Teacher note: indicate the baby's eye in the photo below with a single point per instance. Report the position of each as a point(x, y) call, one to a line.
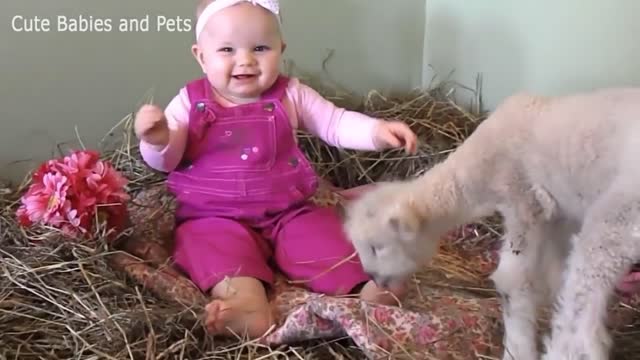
point(261, 48)
point(225, 49)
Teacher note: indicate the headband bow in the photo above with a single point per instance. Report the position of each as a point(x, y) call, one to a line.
point(215, 6)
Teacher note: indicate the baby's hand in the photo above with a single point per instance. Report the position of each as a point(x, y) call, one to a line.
point(393, 134)
point(150, 125)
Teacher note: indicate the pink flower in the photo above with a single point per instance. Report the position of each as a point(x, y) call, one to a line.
point(69, 193)
point(44, 201)
point(469, 320)
point(382, 315)
point(345, 322)
point(426, 334)
point(383, 342)
point(324, 324)
point(302, 318)
point(399, 336)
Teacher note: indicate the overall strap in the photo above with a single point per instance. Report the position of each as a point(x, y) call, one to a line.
point(277, 90)
point(198, 89)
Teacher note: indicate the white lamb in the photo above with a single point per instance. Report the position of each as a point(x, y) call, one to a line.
point(563, 172)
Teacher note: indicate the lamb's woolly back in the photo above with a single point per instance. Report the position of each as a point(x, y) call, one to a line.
point(576, 145)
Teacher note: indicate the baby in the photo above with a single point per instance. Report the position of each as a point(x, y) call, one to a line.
point(242, 185)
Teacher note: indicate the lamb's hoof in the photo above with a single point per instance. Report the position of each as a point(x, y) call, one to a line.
point(577, 347)
point(523, 351)
point(511, 356)
point(564, 356)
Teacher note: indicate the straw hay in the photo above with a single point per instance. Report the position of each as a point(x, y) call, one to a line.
point(62, 300)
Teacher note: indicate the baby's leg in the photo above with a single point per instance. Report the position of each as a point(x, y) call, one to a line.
point(228, 260)
point(312, 249)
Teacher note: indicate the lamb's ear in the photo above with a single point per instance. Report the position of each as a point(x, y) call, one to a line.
point(406, 220)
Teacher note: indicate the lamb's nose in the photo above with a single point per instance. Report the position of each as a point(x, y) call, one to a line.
point(372, 275)
point(381, 281)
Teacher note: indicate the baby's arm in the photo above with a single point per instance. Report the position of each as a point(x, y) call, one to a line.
point(336, 126)
point(166, 158)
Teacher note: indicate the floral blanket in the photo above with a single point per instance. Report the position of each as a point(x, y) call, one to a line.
point(434, 322)
point(444, 317)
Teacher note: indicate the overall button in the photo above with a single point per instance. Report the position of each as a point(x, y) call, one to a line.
point(269, 107)
point(293, 161)
point(200, 106)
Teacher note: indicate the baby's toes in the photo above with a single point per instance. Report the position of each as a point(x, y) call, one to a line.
point(216, 313)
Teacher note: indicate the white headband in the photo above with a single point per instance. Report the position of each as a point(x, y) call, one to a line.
point(215, 6)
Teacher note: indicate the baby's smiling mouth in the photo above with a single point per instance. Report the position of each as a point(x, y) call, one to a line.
point(243, 76)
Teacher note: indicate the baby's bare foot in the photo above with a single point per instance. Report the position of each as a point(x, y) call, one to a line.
point(393, 296)
point(223, 319)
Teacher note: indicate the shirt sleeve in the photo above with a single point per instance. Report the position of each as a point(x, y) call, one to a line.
point(166, 158)
point(334, 125)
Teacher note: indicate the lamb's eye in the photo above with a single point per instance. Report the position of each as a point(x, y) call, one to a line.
point(374, 249)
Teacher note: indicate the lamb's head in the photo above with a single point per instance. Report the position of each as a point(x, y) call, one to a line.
point(391, 232)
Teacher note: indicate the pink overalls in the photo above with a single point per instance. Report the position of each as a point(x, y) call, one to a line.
point(243, 191)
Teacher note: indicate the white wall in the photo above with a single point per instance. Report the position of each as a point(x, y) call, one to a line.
point(53, 82)
point(545, 46)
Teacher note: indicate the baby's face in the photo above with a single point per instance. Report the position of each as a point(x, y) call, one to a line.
point(240, 50)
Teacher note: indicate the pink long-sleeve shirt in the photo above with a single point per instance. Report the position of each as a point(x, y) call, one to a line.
point(306, 108)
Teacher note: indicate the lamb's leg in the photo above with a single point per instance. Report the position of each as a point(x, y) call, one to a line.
point(524, 258)
point(522, 284)
point(553, 258)
point(604, 250)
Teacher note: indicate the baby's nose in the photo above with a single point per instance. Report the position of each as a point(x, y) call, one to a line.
point(246, 62)
point(246, 59)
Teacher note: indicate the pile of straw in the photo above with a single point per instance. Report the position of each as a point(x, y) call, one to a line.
point(439, 121)
point(62, 300)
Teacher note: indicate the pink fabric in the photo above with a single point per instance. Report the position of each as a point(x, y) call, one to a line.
point(307, 245)
point(243, 191)
point(240, 162)
point(312, 248)
point(630, 283)
point(306, 108)
point(235, 251)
